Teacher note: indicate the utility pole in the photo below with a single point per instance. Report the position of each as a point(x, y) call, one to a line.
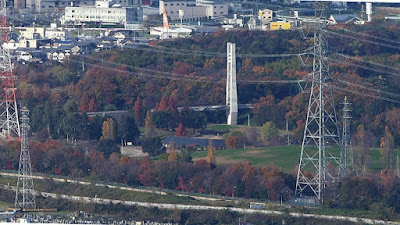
point(287, 132)
point(83, 63)
point(24, 195)
point(321, 129)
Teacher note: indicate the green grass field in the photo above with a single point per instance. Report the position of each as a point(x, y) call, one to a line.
point(221, 127)
point(285, 157)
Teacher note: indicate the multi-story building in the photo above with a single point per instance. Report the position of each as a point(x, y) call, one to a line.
point(102, 12)
point(265, 15)
point(43, 6)
point(19, 4)
point(52, 32)
point(194, 10)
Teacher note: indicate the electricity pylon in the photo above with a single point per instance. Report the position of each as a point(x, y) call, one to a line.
point(317, 164)
point(9, 123)
point(24, 195)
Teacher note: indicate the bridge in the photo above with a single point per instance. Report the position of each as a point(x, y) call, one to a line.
point(216, 107)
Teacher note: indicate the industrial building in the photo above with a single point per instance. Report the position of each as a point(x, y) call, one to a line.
point(194, 9)
point(102, 12)
point(43, 6)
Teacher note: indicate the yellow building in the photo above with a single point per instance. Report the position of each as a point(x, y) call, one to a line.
point(280, 25)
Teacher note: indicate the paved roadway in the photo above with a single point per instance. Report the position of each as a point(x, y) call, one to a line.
point(96, 200)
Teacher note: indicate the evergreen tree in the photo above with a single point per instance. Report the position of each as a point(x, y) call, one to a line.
point(128, 129)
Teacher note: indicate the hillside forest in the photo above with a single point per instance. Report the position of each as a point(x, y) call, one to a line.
point(158, 83)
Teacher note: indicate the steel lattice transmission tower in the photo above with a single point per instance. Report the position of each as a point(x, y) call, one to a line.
point(9, 123)
point(347, 157)
point(24, 195)
point(231, 86)
point(317, 165)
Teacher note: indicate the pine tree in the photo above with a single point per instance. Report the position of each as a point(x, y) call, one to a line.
point(211, 153)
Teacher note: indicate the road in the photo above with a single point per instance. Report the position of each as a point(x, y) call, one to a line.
point(86, 199)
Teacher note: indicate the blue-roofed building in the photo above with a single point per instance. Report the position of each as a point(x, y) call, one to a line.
point(199, 143)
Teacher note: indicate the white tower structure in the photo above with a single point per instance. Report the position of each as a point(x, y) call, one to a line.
point(24, 196)
point(231, 88)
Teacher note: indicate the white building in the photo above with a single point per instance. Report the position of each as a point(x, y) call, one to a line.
point(103, 12)
point(194, 10)
point(43, 32)
point(42, 6)
point(32, 33)
point(166, 33)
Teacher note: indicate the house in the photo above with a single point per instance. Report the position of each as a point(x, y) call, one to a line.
point(265, 15)
point(199, 143)
point(345, 19)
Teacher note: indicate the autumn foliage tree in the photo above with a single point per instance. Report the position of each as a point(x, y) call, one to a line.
point(146, 173)
point(232, 142)
point(361, 150)
point(180, 131)
point(137, 108)
point(108, 130)
point(149, 130)
point(174, 155)
point(268, 131)
point(210, 153)
point(387, 151)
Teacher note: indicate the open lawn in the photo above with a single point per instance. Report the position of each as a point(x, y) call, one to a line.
point(285, 157)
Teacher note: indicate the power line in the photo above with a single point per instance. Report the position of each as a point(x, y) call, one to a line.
point(364, 94)
point(370, 62)
point(368, 35)
point(173, 76)
point(358, 38)
point(214, 54)
point(364, 67)
point(368, 88)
